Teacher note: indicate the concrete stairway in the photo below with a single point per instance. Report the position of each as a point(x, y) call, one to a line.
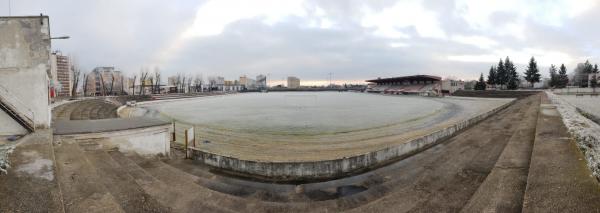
point(504, 187)
point(109, 181)
point(540, 170)
point(85, 110)
point(18, 111)
point(559, 179)
point(528, 165)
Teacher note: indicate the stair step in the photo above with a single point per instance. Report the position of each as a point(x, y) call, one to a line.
point(30, 184)
point(130, 196)
point(81, 185)
point(504, 187)
point(559, 179)
point(179, 194)
point(220, 183)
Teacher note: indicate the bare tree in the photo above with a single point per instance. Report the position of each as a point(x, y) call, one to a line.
point(143, 78)
point(76, 76)
point(212, 82)
point(103, 85)
point(85, 84)
point(157, 79)
point(133, 87)
point(178, 82)
point(198, 83)
point(189, 84)
point(183, 83)
point(112, 83)
point(122, 85)
point(151, 79)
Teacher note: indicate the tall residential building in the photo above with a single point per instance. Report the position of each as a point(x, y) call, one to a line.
point(293, 82)
point(248, 83)
point(261, 82)
point(62, 77)
point(105, 81)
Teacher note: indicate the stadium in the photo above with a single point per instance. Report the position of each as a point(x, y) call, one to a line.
point(307, 136)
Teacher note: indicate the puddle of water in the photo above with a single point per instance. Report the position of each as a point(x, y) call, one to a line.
point(343, 191)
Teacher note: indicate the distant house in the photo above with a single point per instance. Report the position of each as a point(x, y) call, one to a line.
point(450, 86)
point(293, 82)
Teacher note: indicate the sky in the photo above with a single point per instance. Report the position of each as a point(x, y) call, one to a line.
point(349, 40)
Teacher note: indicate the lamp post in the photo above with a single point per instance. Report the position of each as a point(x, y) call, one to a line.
point(60, 37)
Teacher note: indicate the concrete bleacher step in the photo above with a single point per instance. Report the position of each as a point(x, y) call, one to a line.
point(504, 187)
point(559, 179)
point(81, 185)
point(30, 184)
point(229, 185)
point(166, 187)
point(130, 196)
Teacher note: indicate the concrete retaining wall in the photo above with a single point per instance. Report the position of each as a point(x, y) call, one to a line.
point(572, 91)
point(330, 169)
point(25, 64)
point(143, 141)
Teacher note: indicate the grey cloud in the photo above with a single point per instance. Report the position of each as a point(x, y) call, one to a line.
point(130, 34)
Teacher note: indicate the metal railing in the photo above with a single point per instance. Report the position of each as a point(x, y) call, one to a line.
point(17, 106)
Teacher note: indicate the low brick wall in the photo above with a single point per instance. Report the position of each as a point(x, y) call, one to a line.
point(331, 169)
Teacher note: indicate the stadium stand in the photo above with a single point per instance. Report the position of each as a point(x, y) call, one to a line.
point(424, 85)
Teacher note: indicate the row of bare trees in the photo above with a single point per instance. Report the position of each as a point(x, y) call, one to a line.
point(188, 83)
point(144, 82)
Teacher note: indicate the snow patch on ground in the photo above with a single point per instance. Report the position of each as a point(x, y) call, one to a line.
point(36, 166)
point(6, 148)
point(585, 131)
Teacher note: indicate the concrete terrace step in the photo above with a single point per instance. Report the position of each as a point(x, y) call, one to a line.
point(85, 110)
point(504, 187)
point(559, 179)
point(30, 184)
point(176, 193)
point(233, 186)
point(445, 177)
point(130, 196)
point(81, 185)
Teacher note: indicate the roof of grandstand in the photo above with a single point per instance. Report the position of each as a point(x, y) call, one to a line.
point(407, 78)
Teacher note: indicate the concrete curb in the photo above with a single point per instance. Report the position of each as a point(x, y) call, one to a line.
point(331, 169)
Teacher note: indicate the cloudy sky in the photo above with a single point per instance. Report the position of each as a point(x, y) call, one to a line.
point(352, 39)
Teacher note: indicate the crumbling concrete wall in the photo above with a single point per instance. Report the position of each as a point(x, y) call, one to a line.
point(147, 141)
point(25, 63)
point(330, 169)
point(585, 131)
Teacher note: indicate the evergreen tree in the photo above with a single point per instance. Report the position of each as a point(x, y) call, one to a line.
point(512, 77)
point(480, 85)
point(563, 79)
point(587, 67)
point(501, 76)
point(532, 74)
point(594, 83)
point(594, 79)
point(554, 78)
point(492, 76)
